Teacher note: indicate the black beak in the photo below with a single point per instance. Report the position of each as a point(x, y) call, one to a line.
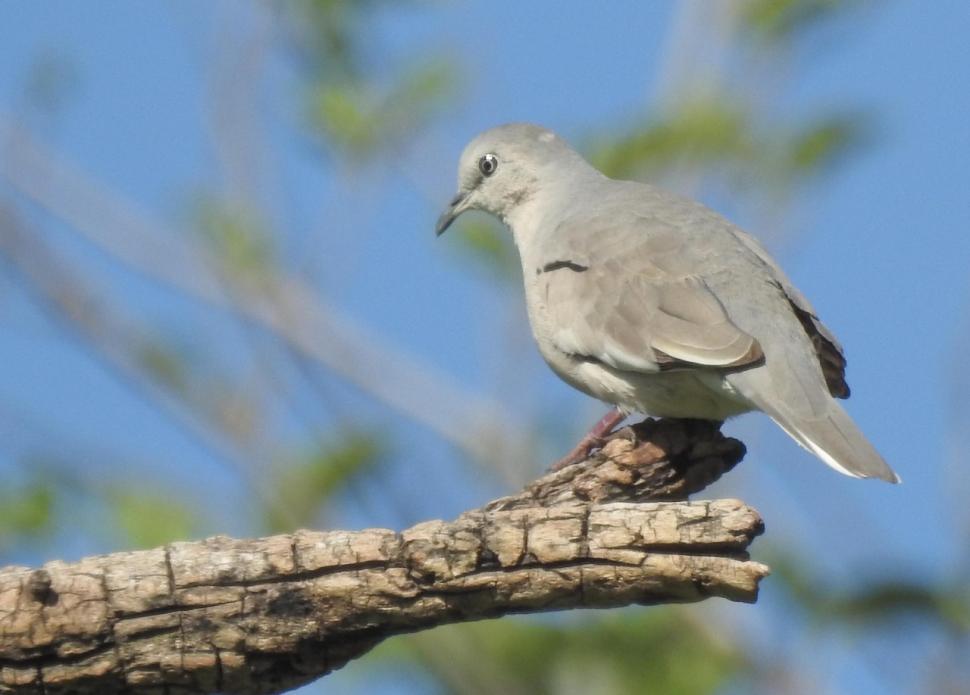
point(455, 208)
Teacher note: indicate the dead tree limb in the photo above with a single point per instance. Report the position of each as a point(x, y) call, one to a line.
point(263, 615)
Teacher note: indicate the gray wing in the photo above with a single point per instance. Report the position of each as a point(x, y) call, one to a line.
point(625, 296)
point(830, 355)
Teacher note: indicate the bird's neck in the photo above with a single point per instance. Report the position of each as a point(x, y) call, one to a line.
point(541, 214)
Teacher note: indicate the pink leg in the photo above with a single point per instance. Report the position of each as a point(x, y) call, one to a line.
point(593, 439)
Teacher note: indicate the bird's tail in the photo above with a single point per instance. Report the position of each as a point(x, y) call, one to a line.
point(836, 440)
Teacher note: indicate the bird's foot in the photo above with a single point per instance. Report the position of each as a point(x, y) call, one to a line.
point(580, 452)
point(594, 439)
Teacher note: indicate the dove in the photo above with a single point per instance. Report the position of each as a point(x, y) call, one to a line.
point(656, 304)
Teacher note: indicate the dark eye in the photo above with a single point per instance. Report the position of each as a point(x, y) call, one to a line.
point(488, 164)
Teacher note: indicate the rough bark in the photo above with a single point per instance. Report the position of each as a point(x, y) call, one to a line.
point(263, 615)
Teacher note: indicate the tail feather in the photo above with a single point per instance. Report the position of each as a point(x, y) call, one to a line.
point(836, 440)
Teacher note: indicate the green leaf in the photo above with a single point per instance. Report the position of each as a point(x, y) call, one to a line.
point(705, 136)
point(345, 114)
point(420, 90)
point(699, 132)
point(659, 650)
point(885, 602)
point(772, 21)
point(303, 487)
point(361, 107)
point(331, 34)
point(823, 143)
point(870, 604)
point(150, 519)
point(27, 511)
point(236, 238)
point(363, 120)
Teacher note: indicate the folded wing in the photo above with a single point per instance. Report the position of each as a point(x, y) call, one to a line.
point(632, 310)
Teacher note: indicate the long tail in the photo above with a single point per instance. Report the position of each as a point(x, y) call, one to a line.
point(836, 440)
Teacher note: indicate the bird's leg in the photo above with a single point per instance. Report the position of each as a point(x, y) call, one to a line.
point(592, 439)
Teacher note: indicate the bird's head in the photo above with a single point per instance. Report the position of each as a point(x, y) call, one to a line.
point(505, 168)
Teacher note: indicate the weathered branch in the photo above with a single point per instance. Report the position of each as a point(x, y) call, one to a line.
point(259, 616)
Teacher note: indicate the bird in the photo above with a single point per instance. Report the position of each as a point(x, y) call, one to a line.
point(656, 304)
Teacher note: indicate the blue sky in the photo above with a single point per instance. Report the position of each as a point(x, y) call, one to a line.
point(882, 247)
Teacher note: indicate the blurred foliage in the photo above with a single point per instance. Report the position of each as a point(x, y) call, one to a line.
point(774, 21)
point(822, 144)
point(362, 109)
point(26, 512)
point(877, 603)
point(242, 246)
point(206, 387)
point(652, 650)
point(301, 488)
point(699, 133)
point(164, 364)
point(873, 604)
point(718, 134)
point(330, 35)
point(365, 120)
point(146, 519)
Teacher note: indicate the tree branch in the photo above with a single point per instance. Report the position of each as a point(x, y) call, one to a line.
point(259, 616)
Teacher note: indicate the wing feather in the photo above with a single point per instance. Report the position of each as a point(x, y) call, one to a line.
point(633, 314)
point(830, 354)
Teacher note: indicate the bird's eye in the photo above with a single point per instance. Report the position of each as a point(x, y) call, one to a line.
point(488, 164)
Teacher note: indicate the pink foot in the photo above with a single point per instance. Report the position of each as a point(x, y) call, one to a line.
point(592, 440)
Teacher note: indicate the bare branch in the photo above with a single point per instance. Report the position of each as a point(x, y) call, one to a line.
point(285, 306)
point(259, 616)
point(112, 337)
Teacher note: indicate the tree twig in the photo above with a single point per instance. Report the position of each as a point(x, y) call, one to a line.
point(286, 306)
point(263, 615)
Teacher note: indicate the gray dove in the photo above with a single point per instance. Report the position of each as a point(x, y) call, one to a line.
point(657, 304)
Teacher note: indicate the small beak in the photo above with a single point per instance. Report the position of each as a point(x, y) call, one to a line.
point(457, 206)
